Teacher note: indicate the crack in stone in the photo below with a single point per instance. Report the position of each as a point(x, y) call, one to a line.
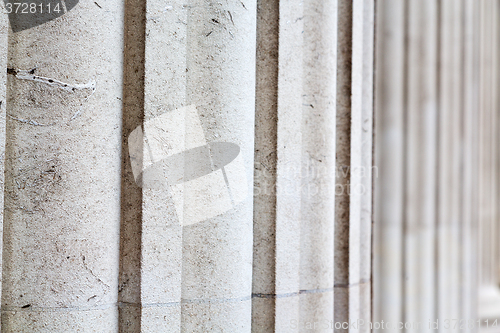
point(29, 121)
point(29, 75)
point(91, 272)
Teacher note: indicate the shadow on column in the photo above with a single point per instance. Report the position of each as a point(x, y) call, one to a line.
point(129, 292)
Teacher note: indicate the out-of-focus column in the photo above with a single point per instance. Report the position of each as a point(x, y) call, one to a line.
point(489, 292)
point(318, 162)
point(389, 145)
point(421, 148)
point(353, 201)
point(469, 193)
point(62, 195)
point(288, 179)
point(449, 166)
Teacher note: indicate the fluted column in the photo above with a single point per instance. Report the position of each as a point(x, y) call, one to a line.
point(449, 183)
point(266, 116)
point(305, 165)
point(62, 201)
point(470, 157)
point(193, 157)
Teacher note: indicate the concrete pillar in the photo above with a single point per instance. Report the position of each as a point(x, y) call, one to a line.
point(62, 194)
point(421, 153)
point(161, 232)
point(389, 145)
point(4, 32)
point(470, 156)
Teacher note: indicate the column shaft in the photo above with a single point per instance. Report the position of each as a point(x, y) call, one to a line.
point(62, 194)
point(389, 145)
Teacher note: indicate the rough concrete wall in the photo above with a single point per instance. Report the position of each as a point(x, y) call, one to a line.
point(62, 194)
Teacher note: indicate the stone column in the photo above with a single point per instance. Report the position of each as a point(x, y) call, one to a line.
point(4, 32)
point(353, 200)
point(489, 292)
point(449, 180)
point(129, 288)
point(469, 195)
point(62, 194)
point(389, 145)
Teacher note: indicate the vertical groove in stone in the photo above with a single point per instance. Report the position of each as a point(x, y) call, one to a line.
point(264, 229)
point(420, 164)
point(129, 287)
point(389, 143)
point(4, 32)
point(343, 161)
point(62, 194)
point(468, 194)
point(354, 162)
